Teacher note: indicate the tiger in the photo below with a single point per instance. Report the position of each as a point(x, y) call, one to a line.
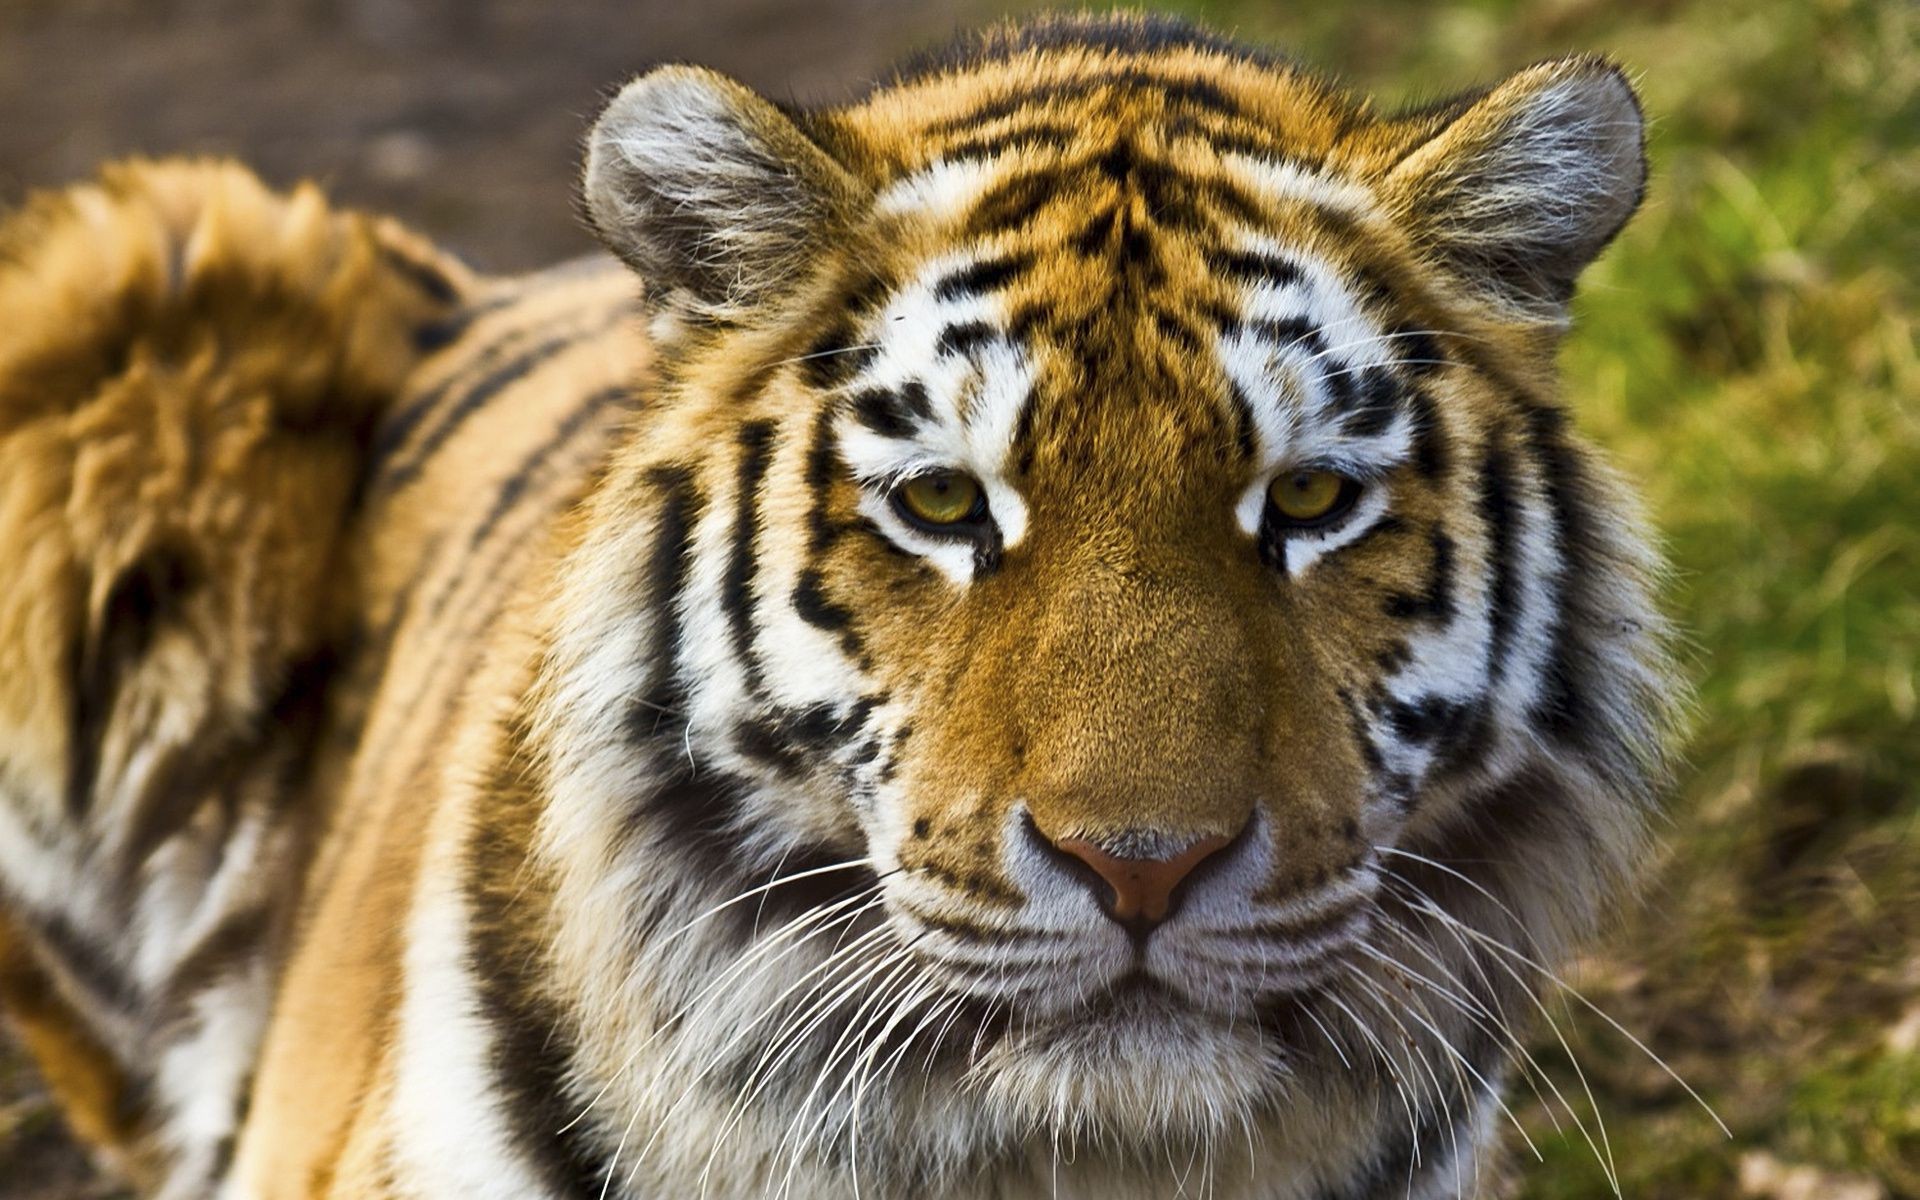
point(1043, 631)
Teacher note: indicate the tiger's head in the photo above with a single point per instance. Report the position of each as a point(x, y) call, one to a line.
point(1102, 535)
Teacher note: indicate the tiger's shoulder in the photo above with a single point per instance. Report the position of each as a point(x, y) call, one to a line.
point(264, 465)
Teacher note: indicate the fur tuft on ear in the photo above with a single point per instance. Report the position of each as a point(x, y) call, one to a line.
point(1523, 187)
point(711, 193)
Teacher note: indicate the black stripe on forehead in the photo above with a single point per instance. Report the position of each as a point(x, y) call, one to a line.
point(837, 353)
point(1174, 91)
point(892, 412)
point(1377, 399)
point(983, 276)
point(1014, 201)
point(964, 338)
point(1040, 135)
point(1254, 267)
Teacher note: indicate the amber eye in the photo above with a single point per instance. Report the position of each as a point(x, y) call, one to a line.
point(941, 500)
point(1308, 498)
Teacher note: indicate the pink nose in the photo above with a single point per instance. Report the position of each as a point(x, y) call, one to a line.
point(1143, 888)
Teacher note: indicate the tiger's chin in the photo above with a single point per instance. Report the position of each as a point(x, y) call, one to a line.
point(1139, 1063)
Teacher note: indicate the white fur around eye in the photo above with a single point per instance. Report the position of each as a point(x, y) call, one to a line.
point(1307, 546)
point(975, 399)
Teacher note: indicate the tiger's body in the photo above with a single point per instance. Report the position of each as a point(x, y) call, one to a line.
point(505, 738)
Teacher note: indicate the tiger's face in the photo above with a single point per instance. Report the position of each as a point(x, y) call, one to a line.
point(1111, 492)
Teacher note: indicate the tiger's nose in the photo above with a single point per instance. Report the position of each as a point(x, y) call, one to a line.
point(1145, 886)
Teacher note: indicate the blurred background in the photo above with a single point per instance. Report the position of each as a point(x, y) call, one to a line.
point(1746, 351)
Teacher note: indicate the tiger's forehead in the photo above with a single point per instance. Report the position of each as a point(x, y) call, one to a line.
point(1038, 98)
point(1117, 298)
point(1162, 269)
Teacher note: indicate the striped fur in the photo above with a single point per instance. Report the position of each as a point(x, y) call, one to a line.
point(498, 738)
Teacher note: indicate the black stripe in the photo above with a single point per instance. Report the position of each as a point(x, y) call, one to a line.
point(964, 338)
point(1023, 432)
point(913, 396)
point(793, 739)
point(835, 357)
point(986, 275)
point(664, 578)
point(399, 425)
point(86, 962)
point(1377, 401)
point(1561, 711)
point(736, 585)
point(1289, 333)
point(1173, 329)
point(982, 146)
point(1246, 266)
point(1424, 719)
point(1496, 504)
point(1014, 202)
point(810, 600)
point(884, 411)
point(1362, 736)
point(213, 770)
point(820, 469)
point(1191, 92)
point(438, 334)
point(515, 485)
point(1343, 396)
point(1223, 318)
point(486, 389)
point(1417, 350)
point(532, 1047)
point(232, 944)
point(426, 276)
point(1243, 423)
point(1436, 603)
point(1429, 438)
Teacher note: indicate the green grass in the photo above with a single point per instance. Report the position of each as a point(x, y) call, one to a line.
point(1747, 354)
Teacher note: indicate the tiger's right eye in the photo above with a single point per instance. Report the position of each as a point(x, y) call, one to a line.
point(941, 501)
point(1304, 499)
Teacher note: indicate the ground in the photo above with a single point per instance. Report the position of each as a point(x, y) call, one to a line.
point(1747, 350)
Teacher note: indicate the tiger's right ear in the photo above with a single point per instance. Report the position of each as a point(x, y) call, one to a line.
point(711, 193)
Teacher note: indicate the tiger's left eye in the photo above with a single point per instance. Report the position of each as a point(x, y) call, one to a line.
point(1309, 498)
point(941, 501)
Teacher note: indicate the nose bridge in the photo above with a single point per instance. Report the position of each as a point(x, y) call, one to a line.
point(1142, 714)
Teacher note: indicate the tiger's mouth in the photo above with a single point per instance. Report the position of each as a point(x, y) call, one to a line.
point(1227, 951)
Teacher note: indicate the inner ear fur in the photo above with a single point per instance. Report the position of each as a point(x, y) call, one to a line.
point(1524, 186)
point(716, 197)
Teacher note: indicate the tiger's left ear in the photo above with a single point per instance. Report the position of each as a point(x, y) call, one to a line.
point(1526, 185)
point(710, 192)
